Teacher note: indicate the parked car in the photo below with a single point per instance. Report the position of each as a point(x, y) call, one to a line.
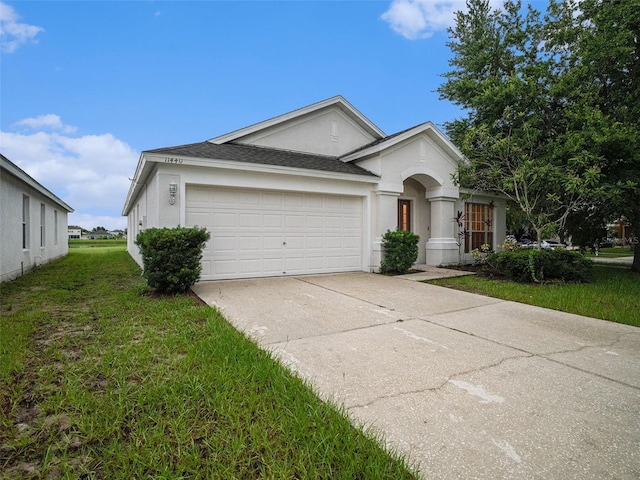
point(552, 244)
point(526, 242)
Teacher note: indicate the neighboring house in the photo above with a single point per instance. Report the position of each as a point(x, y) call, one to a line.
point(312, 191)
point(74, 233)
point(100, 234)
point(33, 222)
point(623, 232)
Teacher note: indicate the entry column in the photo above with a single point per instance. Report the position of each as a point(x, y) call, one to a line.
point(386, 219)
point(442, 249)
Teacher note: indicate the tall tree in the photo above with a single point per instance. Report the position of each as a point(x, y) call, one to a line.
point(552, 107)
point(503, 77)
point(599, 79)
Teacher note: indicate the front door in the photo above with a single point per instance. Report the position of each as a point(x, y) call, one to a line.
point(404, 215)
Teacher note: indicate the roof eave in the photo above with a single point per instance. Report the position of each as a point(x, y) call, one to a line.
point(20, 174)
point(428, 127)
point(148, 160)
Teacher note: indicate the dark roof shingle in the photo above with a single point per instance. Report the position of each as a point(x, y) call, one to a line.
point(263, 155)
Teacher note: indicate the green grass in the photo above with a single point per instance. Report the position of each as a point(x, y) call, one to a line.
point(614, 252)
point(101, 379)
point(613, 295)
point(116, 242)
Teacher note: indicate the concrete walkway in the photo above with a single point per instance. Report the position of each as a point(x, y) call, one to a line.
point(466, 386)
point(614, 260)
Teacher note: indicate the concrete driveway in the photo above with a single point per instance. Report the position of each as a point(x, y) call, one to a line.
point(466, 386)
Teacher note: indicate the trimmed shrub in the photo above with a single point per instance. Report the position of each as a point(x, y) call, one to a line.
point(171, 257)
point(400, 251)
point(532, 265)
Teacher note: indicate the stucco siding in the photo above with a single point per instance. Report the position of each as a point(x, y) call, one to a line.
point(327, 132)
point(14, 259)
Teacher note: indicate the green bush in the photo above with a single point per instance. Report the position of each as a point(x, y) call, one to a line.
point(171, 257)
point(532, 265)
point(400, 251)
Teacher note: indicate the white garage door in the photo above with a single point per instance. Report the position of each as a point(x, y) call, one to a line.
point(262, 233)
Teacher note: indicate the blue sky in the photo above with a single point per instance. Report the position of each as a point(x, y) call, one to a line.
point(86, 86)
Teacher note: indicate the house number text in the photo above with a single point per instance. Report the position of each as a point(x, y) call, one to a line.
point(172, 160)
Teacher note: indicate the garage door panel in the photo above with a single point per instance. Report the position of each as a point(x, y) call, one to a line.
point(223, 267)
point(294, 243)
point(272, 266)
point(294, 221)
point(352, 243)
point(200, 218)
point(221, 245)
point(223, 197)
point(352, 262)
point(207, 270)
point(223, 220)
point(314, 222)
point(272, 244)
point(333, 221)
point(265, 233)
point(270, 220)
point(201, 196)
point(314, 242)
point(249, 220)
point(314, 201)
point(293, 201)
point(249, 244)
point(333, 243)
point(247, 197)
point(268, 199)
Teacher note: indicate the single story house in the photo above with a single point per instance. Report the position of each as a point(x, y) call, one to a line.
point(33, 222)
point(100, 234)
point(313, 191)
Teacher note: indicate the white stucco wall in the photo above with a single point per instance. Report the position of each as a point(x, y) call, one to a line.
point(326, 132)
point(14, 259)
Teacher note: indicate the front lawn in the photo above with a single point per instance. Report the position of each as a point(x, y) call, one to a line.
point(613, 295)
point(101, 379)
point(614, 252)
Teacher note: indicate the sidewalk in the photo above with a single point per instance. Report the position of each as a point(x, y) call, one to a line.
point(614, 260)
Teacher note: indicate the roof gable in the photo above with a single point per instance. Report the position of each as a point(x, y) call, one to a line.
point(427, 128)
point(331, 127)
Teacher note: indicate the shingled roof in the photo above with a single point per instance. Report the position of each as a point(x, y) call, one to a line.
point(262, 155)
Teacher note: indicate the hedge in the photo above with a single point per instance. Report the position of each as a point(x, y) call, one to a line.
point(171, 257)
point(532, 265)
point(400, 251)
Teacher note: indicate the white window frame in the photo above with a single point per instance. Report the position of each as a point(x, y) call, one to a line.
point(25, 222)
point(42, 225)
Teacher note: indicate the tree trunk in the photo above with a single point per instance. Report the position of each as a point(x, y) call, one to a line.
point(539, 238)
point(635, 237)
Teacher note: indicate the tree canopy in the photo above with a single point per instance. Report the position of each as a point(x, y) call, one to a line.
point(551, 105)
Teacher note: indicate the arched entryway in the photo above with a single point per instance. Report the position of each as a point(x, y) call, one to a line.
point(414, 209)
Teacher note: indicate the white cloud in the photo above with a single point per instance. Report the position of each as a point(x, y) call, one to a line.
point(12, 32)
point(48, 121)
point(415, 19)
point(87, 172)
